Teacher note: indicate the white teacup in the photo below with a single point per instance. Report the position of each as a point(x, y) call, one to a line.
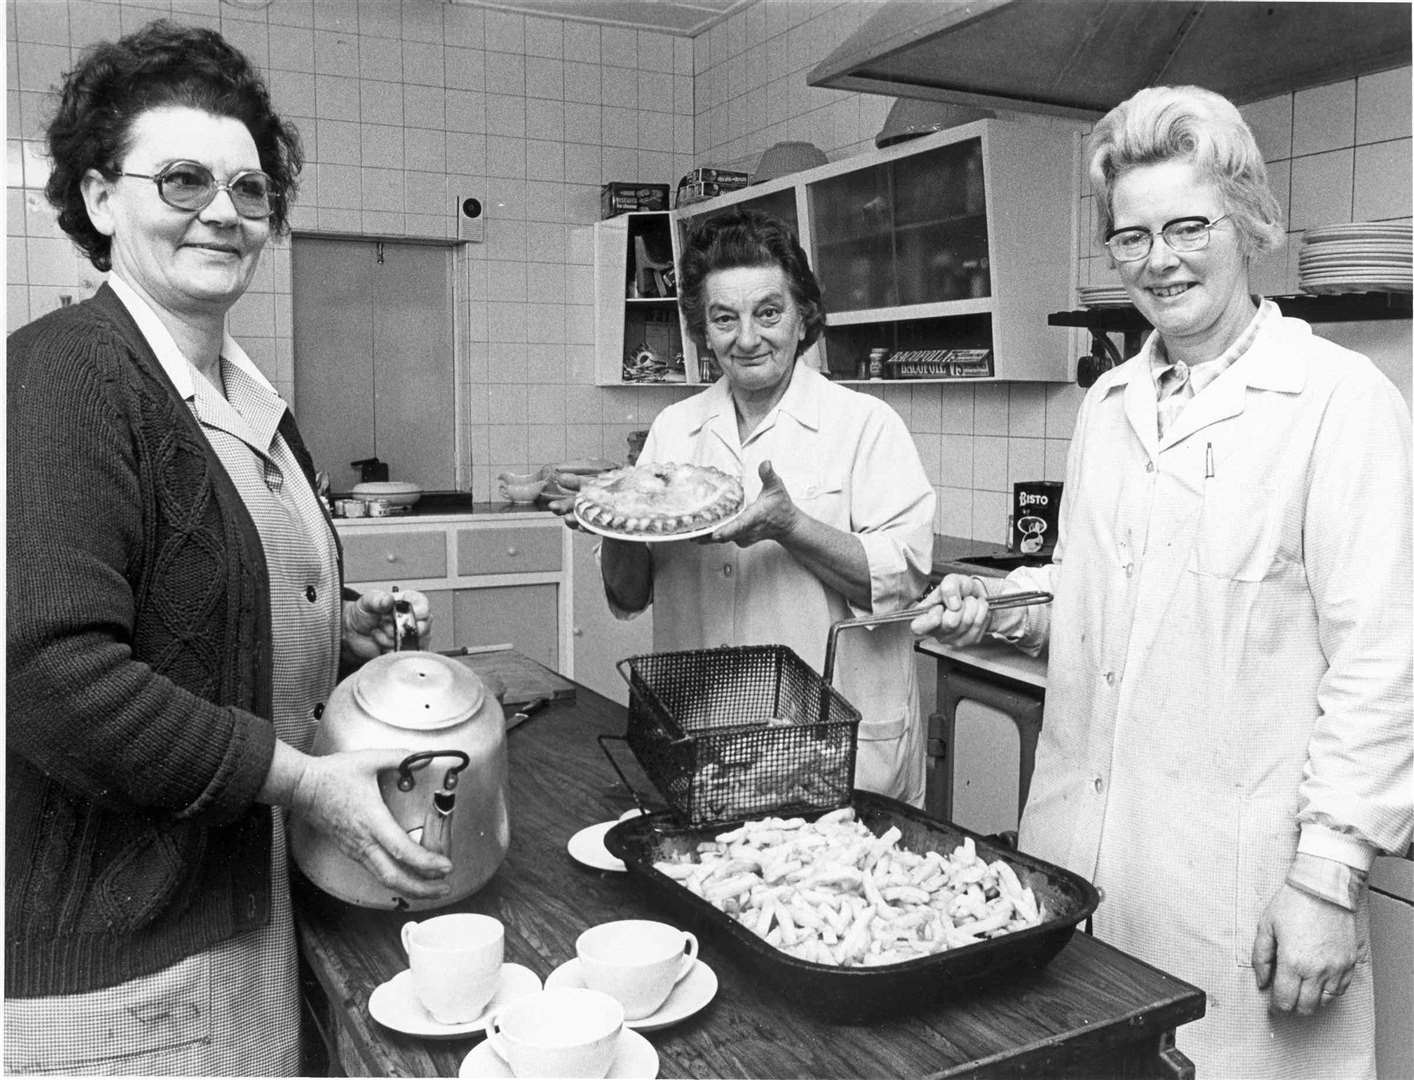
point(560, 1031)
point(456, 963)
point(635, 961)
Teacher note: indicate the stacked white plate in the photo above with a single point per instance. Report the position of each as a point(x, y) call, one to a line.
point(1364, 256)
point(1102, 295)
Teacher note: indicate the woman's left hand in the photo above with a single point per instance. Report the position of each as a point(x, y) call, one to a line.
point(771, 517)
point(369, 630)
point(1305, 951)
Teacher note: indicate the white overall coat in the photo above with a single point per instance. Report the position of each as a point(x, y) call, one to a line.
point(1229, 669)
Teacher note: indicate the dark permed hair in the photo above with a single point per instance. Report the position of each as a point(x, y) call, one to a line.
point(161, 64)
point(743, 237)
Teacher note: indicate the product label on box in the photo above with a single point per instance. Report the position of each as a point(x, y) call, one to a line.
point(1035, 516)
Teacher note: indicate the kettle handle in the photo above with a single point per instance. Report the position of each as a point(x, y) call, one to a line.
point(406, 781)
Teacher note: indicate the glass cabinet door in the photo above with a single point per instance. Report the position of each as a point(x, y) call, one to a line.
point(906, 232)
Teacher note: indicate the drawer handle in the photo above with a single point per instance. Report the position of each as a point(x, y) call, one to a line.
point(512, 551)
point(392, 556)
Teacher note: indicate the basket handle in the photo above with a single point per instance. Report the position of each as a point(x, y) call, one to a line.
point(604, 739)
point(908, 614)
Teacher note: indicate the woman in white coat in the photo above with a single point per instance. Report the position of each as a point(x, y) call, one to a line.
point(1227, 740)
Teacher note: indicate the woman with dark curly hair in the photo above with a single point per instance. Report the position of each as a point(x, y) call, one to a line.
point(166, 545)
point(839, 521)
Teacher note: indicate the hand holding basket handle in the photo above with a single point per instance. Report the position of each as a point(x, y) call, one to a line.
point(1010, 600)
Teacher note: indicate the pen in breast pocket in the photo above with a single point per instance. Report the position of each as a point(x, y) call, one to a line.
point(1208, 472)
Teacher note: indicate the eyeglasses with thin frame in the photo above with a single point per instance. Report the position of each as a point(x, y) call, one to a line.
point(189, 185)
point(1180, 234)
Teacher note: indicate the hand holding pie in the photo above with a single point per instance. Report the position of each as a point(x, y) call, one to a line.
point(771, 517)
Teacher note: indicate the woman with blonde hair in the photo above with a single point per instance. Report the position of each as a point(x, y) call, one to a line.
point(1228, 736)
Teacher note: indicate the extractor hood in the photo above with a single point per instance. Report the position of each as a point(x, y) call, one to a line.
point(1082, 57)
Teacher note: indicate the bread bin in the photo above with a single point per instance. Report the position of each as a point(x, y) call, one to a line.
point(449, 792)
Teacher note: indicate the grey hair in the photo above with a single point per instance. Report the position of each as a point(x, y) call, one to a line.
point(1188, 123)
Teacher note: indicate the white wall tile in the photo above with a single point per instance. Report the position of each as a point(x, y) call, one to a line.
point(956, 403)
point(505, 32)
point(953, 515)
point(505, 73)
point(991, 411)
point(1322, 189)
point(1323, 118)
point(545, 37)
point(956, 454)
point(1382, 106)
point(1382, 180)
point(1026, 460)
point(989, 462)
point(1026, 410)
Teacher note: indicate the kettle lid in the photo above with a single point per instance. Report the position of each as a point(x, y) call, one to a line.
point(418, 690)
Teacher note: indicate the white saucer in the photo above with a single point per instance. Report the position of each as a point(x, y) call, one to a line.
point(636, 1060)
point(394, 1004)
point(689, 996)
point(586, 847)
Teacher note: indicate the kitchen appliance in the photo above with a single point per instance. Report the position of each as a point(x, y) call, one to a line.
point(449, 793)
point(859, 994)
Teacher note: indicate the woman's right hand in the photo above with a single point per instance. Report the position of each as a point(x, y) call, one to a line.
point(957, 612)
point(564, 506)
point(338, 795)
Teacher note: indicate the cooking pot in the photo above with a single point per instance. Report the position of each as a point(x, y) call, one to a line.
point(449, 792)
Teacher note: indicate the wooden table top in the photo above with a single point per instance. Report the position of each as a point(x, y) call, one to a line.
point(1091, 1001)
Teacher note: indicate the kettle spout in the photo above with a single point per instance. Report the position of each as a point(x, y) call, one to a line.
point(437, 828)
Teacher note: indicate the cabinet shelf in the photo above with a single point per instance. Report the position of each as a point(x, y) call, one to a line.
point(1337, 307)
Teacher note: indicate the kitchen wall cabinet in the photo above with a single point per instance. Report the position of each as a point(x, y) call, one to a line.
point(948, 250)
point(638, 332)
point(490, 581)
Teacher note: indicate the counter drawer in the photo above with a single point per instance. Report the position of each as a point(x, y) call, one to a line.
point(385, 554)
point(522, 550)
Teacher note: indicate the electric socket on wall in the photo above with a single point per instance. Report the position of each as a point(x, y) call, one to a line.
point(471, 220)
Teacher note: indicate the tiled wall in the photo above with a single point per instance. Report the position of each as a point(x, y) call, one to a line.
point(405, 106)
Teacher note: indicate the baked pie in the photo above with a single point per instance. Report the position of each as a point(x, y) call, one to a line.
point(658, 499)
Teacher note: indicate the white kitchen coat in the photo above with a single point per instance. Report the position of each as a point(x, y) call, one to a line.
point(847, 460)
point(1230, 653)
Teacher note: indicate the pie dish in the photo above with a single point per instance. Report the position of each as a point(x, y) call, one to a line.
point(658, 501)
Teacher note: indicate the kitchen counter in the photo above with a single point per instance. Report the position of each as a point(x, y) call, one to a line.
point(1093, 1011)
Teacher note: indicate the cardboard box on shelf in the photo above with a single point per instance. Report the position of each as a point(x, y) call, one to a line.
point(618, 197)
point(707, 183)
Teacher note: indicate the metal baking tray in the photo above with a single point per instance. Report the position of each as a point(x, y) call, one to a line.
point(861, 994)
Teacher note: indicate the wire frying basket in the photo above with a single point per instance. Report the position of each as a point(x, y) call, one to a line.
point(738, 731)
point(746, 730)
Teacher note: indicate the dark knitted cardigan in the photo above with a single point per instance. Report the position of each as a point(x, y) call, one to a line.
point(138, 725)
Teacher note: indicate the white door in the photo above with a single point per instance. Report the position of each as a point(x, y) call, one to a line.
point(373, 358)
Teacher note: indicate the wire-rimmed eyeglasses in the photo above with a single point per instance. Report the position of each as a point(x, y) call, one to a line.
point(189, 185)
point(1180, 234)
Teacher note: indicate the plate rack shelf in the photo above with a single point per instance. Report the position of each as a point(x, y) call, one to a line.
point(1335, 307)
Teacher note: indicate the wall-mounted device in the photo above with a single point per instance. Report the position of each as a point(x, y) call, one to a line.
point(471, 220)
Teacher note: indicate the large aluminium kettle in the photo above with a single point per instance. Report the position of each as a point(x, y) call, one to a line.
point(449, 793)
